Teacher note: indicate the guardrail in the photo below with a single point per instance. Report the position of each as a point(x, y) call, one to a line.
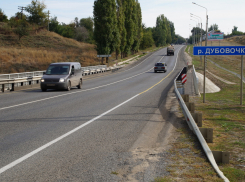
point(195, 81)
point(15, 81)
point(193, 126)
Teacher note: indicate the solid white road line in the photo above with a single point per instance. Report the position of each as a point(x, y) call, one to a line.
point(17, 105)
point(14, 163)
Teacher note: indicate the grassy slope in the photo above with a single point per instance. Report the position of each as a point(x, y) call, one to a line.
point(38, 50)
point(223, 112)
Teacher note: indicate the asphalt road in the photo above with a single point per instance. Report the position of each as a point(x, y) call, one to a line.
point(80, 135)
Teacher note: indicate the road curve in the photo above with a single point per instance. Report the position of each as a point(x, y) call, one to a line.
point(79, 135)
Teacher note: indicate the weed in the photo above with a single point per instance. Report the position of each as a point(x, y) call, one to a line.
point(114, 172)
point(233, 174)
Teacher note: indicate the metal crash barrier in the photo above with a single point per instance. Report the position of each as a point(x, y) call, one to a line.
point(17, 81)
point(211, 155)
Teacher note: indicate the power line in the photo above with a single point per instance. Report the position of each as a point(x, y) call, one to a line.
point(21, 8)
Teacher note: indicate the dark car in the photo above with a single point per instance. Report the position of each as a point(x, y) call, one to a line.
point(62, 76)
point(160, 67)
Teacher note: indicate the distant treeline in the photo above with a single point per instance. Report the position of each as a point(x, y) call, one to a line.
point(116, 26)
point(215, 27)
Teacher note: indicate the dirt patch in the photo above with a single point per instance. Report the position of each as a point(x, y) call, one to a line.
point(166, 150)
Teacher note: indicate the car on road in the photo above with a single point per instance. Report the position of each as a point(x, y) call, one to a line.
point(170, 50)
point(62, 76)
point(160, 67)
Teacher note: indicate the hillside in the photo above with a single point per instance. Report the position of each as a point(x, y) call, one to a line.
point(237, 39)
point(232, 63)
point(39, 49)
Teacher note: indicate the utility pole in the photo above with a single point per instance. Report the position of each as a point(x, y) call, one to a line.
point(48, 20)
point(22, 8)
point(205, 63)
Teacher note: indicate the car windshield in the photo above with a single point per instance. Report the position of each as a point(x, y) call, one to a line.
point(159, 64)
point(58, 70)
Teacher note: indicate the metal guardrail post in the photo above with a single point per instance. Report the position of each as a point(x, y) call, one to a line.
point(195, 80)
point(3, 87)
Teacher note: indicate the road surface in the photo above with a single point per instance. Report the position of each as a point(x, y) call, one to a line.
point(88, 134)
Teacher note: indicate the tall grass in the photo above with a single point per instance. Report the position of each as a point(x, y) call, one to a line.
point(37, 51)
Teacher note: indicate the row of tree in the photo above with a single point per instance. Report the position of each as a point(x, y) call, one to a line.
point(116, 26)
point(164, 32)
point(214, 27)
point(80, 30)
point(121, 29)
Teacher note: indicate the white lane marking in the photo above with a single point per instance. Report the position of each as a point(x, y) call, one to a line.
point(72, 92)
point(14, 163)
point(161, 59)
point(17, 105)
point(79, 91)
point(25, 157)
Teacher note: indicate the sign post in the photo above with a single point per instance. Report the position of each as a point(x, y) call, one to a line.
point(241, 81)
point(221, 50)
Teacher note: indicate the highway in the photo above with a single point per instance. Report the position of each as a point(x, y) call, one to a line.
point(84, 135)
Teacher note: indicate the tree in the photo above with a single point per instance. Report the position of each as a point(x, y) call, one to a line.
point(180, 39)
point(236, 32)
point(53, 24)
point(3, 17)
point(234, 29)
point(168, 32)
point(12, 22)
point(214, 27)
point(147, 39)
point(37, 14)
point(121, 29)
point(81, 34)
point(172, 29)
point(20, 15)
point(105, 26)
point(88, 23)
point(76, 22)
point(138, 27)
point(128, 6)
point(66, 30)
point(160, 33)
point(21, 28)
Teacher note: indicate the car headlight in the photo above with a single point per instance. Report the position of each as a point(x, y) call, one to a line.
point(42, 80)
point(62, 79)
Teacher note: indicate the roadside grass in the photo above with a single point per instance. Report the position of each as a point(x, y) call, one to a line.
point(187, 162)
point(36, 52)
point(114, 172)
point(222, 112)
point(161, 179)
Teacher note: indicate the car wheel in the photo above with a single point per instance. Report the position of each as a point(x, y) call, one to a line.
point(80, 84)
point(155, 71)
point(44, 89)
point(68, 86)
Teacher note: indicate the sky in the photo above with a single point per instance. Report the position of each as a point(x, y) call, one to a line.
point(225, 13)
